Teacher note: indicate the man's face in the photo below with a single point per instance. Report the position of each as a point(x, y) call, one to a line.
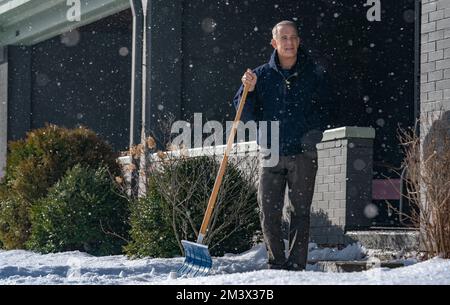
point(286, 42)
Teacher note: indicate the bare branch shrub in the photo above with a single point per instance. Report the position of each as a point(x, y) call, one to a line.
point(428, 184)
point(186, 183)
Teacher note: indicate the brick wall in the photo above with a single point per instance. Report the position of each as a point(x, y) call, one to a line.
point(343, 188)
point(435, 60)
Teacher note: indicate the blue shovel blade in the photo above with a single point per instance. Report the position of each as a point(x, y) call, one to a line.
point(197, 260)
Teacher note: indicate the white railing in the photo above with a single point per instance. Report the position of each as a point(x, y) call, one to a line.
point(239, 149)
point(7, 5)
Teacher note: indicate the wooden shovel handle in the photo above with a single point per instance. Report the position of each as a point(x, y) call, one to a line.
point(222, 168)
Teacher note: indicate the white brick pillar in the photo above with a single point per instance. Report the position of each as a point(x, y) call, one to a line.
point(434, 64)
point(343, 188)
point(434, 60)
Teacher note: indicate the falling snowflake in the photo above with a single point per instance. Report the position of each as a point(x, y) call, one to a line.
point(209, 25)
point(380, 122)
point(71, 38)
point(124, 51)
point(371, 211)
point(359, 164)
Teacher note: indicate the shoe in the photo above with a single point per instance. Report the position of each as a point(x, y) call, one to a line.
point(290, 266)
point(273, 266)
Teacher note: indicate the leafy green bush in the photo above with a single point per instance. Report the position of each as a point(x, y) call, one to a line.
point(151, 232)
point(84, 212)
point(37, 163)
point(14, 222)
point(177, 196)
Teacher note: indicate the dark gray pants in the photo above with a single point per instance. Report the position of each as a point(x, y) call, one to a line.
point(299, 173)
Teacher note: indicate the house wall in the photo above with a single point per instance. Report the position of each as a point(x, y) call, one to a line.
point(199, 49)
point(435, 62)
point(19, 91)
point(79, 78)
point(434, 71)
point(3, 109)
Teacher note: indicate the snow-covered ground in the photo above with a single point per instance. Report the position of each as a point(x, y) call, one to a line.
point(23, 267)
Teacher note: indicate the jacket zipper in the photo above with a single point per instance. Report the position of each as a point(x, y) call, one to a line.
point(285, 87)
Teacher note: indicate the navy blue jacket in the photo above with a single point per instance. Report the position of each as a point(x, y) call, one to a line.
point(300, 102)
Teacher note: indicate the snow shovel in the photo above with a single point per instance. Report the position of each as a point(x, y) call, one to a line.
point(198, 261)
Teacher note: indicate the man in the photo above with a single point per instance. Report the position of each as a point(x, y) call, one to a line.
point(287, 89)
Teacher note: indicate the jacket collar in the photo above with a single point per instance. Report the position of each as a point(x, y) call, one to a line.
point(302, 59)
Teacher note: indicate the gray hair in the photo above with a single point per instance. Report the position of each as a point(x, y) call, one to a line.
point(284, 22)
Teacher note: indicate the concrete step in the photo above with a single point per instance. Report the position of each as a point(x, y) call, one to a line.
point(403, 240)
point(354, 266)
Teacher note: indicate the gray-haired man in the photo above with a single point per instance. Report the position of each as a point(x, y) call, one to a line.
point(288, 89)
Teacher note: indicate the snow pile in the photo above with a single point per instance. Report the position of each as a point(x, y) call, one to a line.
point(432, 272)
point(350, 253)
point(23, 267)
point(254, 259)
point(232, 263)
